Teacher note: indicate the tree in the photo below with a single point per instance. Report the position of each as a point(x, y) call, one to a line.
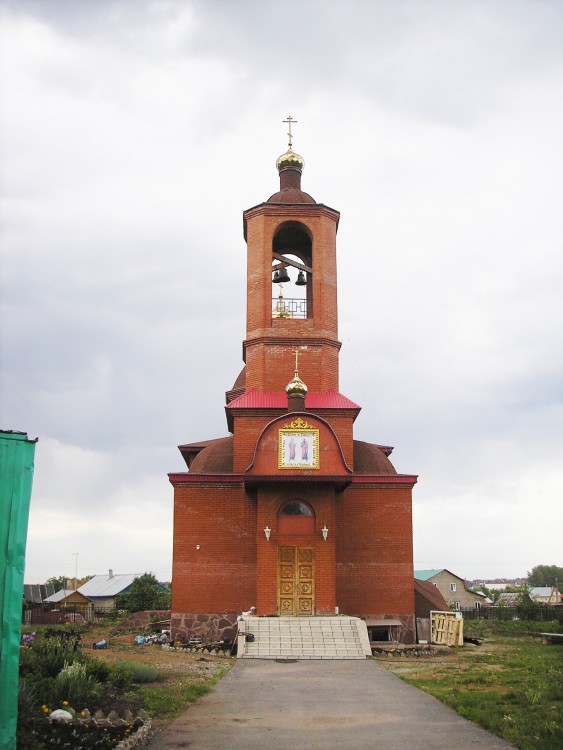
point(63, 582)
point(59, 582)
point(145, 593)
point(527, 608)
point(545, 575)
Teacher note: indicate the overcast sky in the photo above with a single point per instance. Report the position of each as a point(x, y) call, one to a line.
point(135, 133)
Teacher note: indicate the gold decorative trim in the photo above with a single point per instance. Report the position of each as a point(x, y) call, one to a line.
point(298, 424)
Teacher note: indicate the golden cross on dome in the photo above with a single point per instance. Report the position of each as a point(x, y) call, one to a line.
point(289, 121)
point(297, 353)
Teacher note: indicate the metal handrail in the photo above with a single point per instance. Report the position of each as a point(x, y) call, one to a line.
point(293, 307)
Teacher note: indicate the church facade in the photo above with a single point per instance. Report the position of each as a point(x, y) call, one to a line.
point(290, 513)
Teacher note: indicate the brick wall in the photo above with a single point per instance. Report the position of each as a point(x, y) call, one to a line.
point(364, 567)
point(221, 574)
point(374, 568)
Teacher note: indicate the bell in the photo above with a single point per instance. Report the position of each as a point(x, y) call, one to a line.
point(281, 276)
point(301, 280)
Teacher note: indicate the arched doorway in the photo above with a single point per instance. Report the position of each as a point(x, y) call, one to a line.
point(296, 562)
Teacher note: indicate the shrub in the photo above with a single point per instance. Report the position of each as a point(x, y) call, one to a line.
point(76, 686)
point(121, 674)
point(144, 673)
point(67, 632)
point(96, 667)
point(49, 656)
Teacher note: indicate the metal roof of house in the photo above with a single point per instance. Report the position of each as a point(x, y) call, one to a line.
point(107, 585)
point(509, 599)
point(425, 575)
point(541, 591)
point(37, 592)
point(253, 399)
point(59, 596)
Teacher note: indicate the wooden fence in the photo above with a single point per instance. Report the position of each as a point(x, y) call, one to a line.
point(40, 615)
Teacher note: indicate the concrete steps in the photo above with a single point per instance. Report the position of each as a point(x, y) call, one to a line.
point(303, 638)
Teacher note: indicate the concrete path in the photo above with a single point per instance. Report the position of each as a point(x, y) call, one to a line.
point(310, 705)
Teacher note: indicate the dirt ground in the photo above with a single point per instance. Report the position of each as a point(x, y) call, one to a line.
point(168, 662)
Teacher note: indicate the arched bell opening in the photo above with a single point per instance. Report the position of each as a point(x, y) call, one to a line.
point(292, 273)
point(296, 518)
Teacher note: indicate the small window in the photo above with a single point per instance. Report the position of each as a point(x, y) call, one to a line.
point(296, 508)
point(434, 584)
point(453, 586)
point(457, 605)
point(477, 605)
point(296, 518)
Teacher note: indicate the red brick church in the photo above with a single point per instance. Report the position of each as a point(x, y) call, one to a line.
point(290, 513)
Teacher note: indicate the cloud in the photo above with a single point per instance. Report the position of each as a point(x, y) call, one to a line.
point(133, 136)
point(84, 501)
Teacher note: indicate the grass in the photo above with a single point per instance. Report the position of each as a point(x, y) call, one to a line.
point(167, 702)
point(511, 685)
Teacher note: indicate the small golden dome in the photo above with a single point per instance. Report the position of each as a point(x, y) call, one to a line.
point(296, 387)
point(280, 310)
point(290, 160)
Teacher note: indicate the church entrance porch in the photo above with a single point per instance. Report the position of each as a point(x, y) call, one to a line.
point(296, 581)
point(303, 638)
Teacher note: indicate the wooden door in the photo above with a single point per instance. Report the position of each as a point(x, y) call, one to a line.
point(296, 581)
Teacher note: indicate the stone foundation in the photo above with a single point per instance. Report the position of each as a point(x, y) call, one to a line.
point(208, 628)
point(142, 620)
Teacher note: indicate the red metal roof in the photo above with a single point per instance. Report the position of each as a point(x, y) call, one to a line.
point(254, 399)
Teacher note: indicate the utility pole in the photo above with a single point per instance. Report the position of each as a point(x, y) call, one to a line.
point(75, 555)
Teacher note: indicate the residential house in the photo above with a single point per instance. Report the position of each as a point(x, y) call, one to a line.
point(69, 599)
point(545, 594)
point(452, 588)
point(103, 590)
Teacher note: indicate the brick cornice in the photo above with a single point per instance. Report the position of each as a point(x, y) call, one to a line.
point(290, 341)
point(383, 479)
point(181, 479)
point(290, 210)
point(185, 478)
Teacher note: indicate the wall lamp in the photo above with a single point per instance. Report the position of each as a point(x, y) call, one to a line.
point(267, 532)
point(325, 532)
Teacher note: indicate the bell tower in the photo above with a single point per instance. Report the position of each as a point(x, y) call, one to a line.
point(291, 285)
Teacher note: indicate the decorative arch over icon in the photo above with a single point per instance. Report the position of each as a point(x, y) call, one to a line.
point(298, 446)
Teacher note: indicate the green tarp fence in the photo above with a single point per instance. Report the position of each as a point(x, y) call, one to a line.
point(16, 474)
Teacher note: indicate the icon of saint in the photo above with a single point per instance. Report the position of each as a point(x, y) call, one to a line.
point(292, 446)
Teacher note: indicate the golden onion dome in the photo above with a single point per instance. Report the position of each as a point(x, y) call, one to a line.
point(290, 160)
point(296, 387)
